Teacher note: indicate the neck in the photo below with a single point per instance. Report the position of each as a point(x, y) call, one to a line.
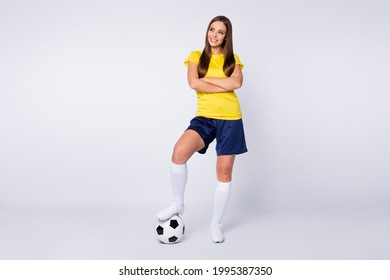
point(216, 50)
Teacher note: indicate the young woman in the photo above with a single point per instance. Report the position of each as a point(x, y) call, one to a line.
point(214, 74)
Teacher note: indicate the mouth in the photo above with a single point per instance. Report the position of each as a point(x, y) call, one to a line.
point(213, 40)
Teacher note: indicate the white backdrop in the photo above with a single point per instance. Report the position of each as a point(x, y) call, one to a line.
point(93, 96)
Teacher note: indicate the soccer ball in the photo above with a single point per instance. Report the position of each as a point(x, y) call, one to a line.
point(170, 231)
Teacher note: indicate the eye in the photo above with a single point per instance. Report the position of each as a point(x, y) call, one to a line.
point(211, 29)
point(221, 32)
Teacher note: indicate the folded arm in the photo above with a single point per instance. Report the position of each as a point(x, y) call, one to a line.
point(230, 83)
point(199, 84)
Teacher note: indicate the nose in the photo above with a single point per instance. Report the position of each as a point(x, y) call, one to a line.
point(213, 34)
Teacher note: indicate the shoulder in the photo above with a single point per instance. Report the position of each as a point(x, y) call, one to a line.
point(195, 54)
point(193, 57)
point(238, 61)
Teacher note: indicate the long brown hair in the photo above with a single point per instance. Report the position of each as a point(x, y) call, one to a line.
point(227, 50)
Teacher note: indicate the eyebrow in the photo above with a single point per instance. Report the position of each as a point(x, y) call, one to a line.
point(218, 29)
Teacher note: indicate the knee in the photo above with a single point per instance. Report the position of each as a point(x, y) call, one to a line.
point(224, 174)
point(179, 155)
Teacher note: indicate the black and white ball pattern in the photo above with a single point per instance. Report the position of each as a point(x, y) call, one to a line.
point(170, 231)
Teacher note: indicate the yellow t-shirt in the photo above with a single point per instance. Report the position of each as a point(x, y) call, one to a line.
point(220, 105)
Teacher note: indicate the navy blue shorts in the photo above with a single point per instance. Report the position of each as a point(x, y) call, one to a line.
point(229, 134)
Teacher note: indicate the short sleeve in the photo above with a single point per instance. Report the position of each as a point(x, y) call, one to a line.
point(238, 61)
point(193, 57)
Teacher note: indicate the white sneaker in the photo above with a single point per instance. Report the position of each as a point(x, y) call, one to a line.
point(169, 211)
point(216, 233)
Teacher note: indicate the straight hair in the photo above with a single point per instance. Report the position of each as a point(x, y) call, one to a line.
point(226, 47)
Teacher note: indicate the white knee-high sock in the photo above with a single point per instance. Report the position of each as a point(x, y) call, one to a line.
point(221, 199)
point(179, 181)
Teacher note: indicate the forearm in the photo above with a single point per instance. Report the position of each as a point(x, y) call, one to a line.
point(203, 86)
point(213, 85)
point(228, 84)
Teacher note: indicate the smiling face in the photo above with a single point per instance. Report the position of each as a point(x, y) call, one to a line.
point(216, 35)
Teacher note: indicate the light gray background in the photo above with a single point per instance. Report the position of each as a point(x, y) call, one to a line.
point(93, 96)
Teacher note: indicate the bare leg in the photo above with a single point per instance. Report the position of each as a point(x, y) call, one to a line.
point(189, 143)
point(225, 168)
